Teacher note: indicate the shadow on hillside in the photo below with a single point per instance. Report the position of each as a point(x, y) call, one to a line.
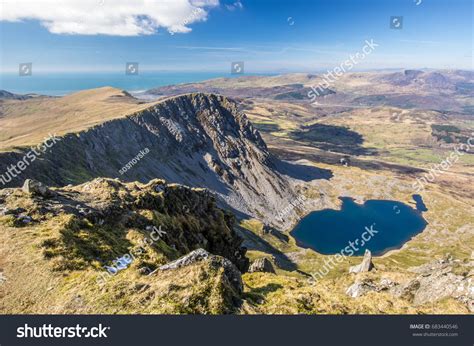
point(332, 138)
point(254, 242)
point(264, 290)
point(335, 159)
point(301, 172)
point(267, 128)
point(258, 294)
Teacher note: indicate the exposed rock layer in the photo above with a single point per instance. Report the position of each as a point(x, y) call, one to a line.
point(196, 139)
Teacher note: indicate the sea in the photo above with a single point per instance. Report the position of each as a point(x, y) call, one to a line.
point(62, 83)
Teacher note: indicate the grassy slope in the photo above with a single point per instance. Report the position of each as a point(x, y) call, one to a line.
point(19, 125)
point(54, 263)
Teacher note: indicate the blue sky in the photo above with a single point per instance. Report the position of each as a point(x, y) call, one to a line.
point(269, 36)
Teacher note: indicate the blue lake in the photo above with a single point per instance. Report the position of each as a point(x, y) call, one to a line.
point(393, 223)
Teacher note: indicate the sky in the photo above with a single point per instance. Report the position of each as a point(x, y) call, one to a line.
point(208, 35)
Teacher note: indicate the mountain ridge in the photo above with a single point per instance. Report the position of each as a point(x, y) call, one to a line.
point(195, 139)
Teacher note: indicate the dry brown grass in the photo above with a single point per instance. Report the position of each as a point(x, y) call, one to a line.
point(28, 122)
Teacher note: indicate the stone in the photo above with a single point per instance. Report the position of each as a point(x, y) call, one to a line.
point(230, 270)
point(345, 161)
point(4, 210)
point(386, 284)
point(159, 188)
point(262, 265)
point(144, 271)
point(406, 291)
point(36, 188)
point(358, 289)
point(365, 266)
point(436, 280)
point(25, 218)
point(191, 258)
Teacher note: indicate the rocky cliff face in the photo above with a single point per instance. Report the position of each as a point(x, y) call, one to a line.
point(195, 139)
point(187, 219)
point(114, 239)
point(436, 280)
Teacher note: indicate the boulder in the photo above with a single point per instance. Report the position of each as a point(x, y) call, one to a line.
point(262, 265)
point(36, 188)
point(438, 280)
point(24, 218)
point(359, 288)
point(190, 258)
point(407, 290)
point(230, 270)
point(365, 266)
point(4, 210)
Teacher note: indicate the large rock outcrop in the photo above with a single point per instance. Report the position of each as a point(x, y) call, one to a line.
point(37, 188)
point(262, 265)
point(108, 209)
point(365, 266)
point(230, 270)
point(198, 140)
point(435, 280)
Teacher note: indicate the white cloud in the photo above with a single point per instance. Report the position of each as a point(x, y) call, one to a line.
point(109, 17)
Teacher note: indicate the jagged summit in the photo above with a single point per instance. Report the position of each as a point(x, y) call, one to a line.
point(194, 139)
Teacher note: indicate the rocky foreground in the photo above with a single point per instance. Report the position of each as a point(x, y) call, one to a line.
point(112, 247)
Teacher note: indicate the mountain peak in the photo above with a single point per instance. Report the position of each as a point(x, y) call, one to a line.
point(194, 139)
